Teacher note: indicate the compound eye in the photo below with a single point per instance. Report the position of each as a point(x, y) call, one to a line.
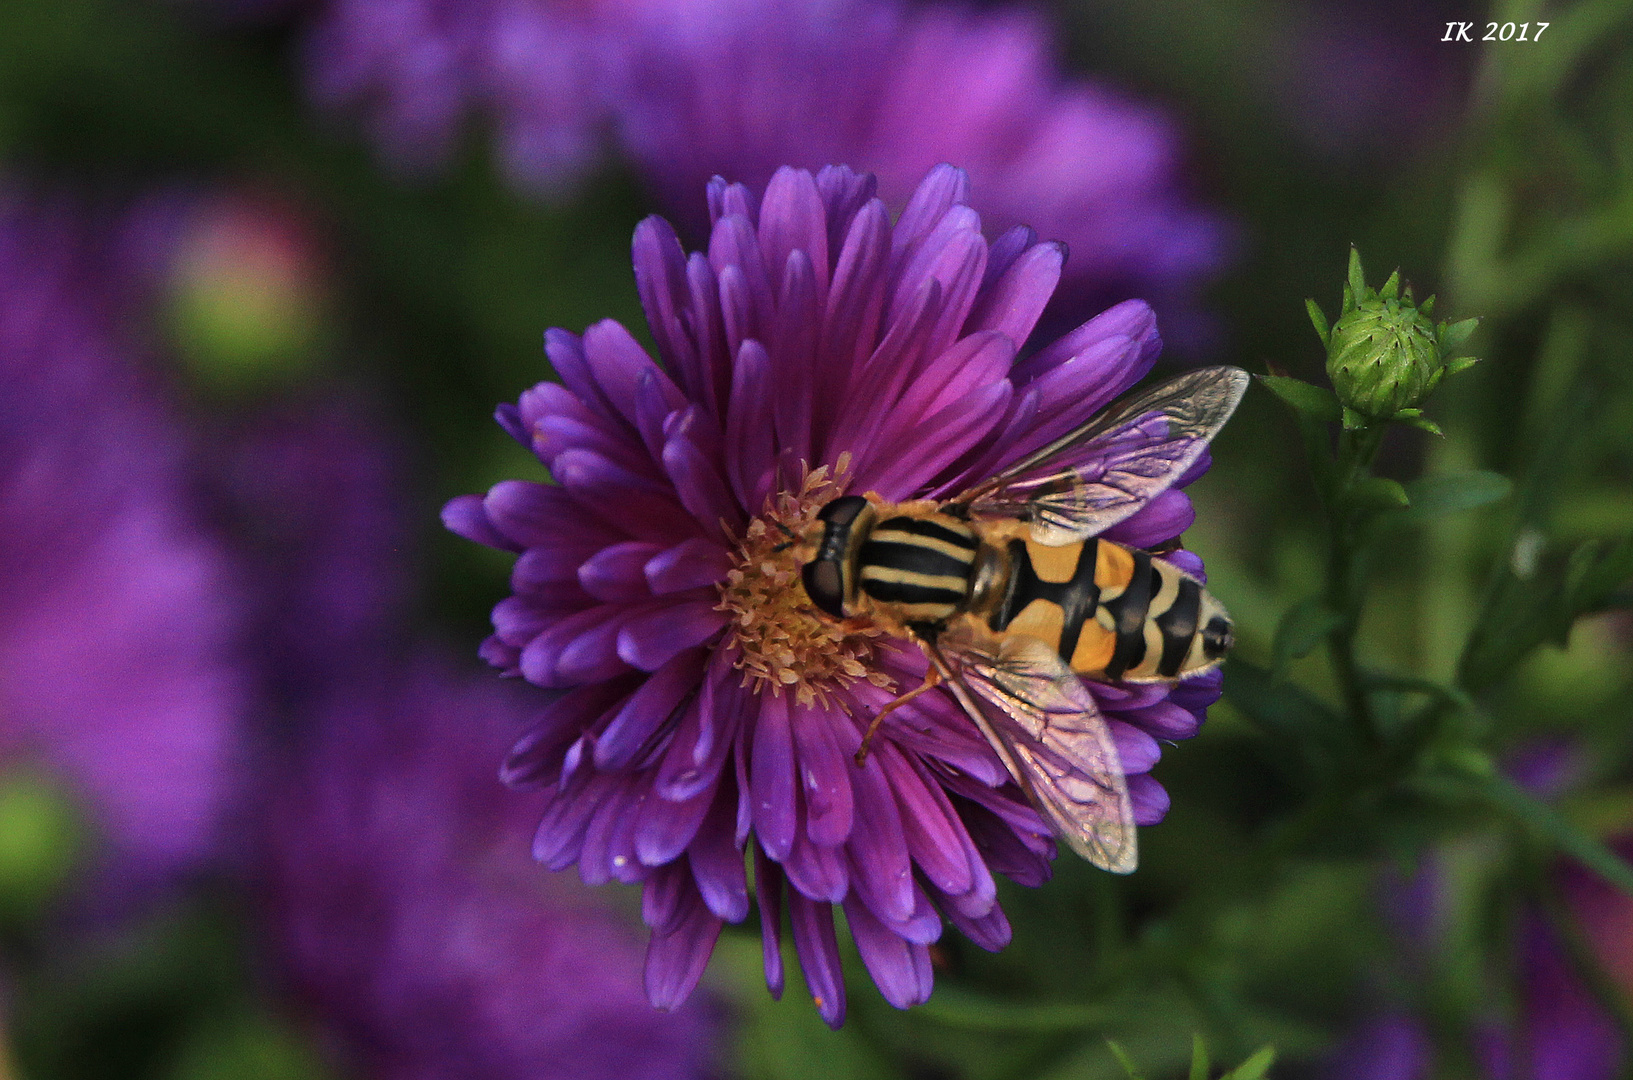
point(825, 585)
point(843, 510)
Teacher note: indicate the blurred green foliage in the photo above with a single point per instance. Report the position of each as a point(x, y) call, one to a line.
point(1458, 598)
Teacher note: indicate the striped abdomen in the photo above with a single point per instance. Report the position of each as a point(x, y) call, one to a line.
point(1112, 612)
point(921, 567)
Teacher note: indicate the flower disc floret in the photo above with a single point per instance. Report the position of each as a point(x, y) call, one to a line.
point(816, 348)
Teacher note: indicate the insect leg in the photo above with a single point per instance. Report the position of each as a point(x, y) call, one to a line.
point(932, 678)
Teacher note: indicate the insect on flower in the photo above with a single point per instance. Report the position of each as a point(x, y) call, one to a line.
point(1013, 598)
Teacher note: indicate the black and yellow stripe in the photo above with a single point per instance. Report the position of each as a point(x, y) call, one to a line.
point(1111, 612)
point(922, 567)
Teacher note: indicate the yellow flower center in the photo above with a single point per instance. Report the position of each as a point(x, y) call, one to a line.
point(781, 640)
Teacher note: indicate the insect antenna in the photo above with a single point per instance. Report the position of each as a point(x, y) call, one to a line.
point(786, 531)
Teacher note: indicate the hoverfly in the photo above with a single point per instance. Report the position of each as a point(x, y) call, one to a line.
point(1013, 599)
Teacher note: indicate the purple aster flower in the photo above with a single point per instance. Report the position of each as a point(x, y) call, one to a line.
point(896, 89)
point(116, 619)
point(402, 917)
point(705, 708)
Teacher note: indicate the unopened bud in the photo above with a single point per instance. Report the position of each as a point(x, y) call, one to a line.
point(1384, 355)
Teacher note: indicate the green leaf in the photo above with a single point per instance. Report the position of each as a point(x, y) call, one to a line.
point(1449, 493)
point(1542, 821)
point(1307, 398)
point(1256, 1067)
point(1418, 421)
point(1123, 1060)
point(1357, 283)
point(1453, 336)
point(1293, 718)
point(1318, 319)
point(1200, 1065)
point(1377, 493)
point(1539, 601)
point(1305, 625)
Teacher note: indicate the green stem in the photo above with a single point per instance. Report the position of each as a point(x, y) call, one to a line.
point(1346, 576)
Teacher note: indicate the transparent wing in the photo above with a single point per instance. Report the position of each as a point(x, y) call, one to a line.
point(1090, 479)
point(1051, 737)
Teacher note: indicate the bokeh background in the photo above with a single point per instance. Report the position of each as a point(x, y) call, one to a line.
point(266, 268)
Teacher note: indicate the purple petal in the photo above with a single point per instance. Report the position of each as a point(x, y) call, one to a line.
point(690, 564)
point(608, 851)
point(1006, 249)
point(1196, 694)
point(1164, 720)
point(663, 894)
point(560, 835)
point(816, 871)
point(701, 488)
point(884, 875)
point(668, 826)
point(956, 256)
point(768, 897)
point(708, 327)
point(946, 436)
point(717, 864)
point(1159, 520)
point(844, 192)
point(734, 247)
point(696, 752)
point(619, 365)
point(900, 970)
point(856, 302)
point(772, 778)
point(1149, 798)
point(750, 442)
point(662, 284)
point(649, 710)
point(465, 516)
point(644, 509)
point(792, 218)
point(1135, 749)
point(648, 640)
point(942, 188)
point(1132, 320)
point(535, 759)
point(615, 574)
point(566, 353)
point(818, 950)
point(794, 357)
point(676, 957)
point(1013, 302)
point(935, 836)
point(824, 771)
point(532, 515)
point(1188, 561)
point(578, 649)
point(990, 931)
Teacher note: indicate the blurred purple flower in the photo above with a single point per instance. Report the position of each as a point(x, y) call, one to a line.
point(405, 916)
point(895, 89)
point(816, 348)
point(1552, 1027)
point(116, 617)
point(741, 87)
point(311, 491)
point(546, 72)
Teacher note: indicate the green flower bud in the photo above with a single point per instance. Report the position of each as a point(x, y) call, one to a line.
point(1384, 354)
